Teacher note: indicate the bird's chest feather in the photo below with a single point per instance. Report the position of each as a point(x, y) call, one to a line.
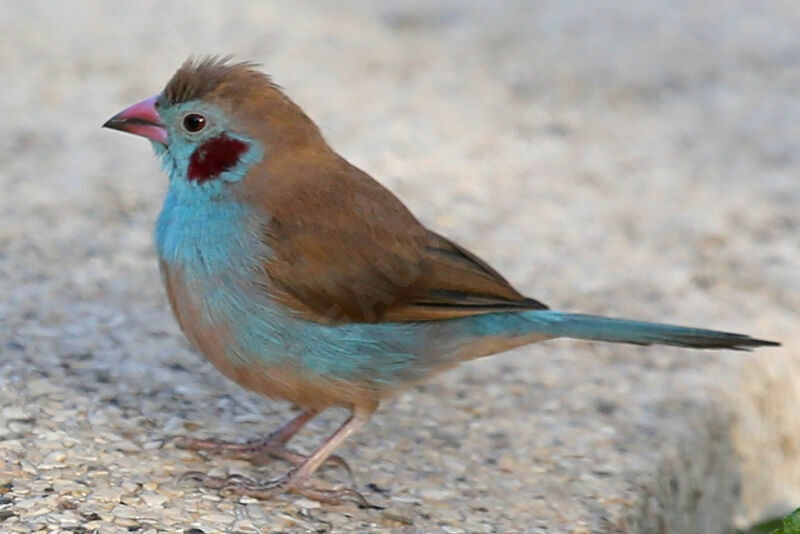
point(210, 254)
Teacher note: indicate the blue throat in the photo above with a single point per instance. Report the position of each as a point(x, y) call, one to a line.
point(200, 225)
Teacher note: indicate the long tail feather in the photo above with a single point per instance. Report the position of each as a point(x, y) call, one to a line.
point(580, 326)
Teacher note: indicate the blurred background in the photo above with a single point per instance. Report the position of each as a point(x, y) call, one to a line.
point(621, 157)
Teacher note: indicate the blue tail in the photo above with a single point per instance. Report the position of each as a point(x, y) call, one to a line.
point(580, 326)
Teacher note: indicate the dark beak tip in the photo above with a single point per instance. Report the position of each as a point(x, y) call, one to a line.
point(118, 123)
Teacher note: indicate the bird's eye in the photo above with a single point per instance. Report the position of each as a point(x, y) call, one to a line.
point(194, 122)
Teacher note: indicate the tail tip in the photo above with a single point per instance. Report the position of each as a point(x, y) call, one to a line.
point(747, 343)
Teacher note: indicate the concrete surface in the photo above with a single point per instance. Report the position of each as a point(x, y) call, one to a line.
point(631, 158)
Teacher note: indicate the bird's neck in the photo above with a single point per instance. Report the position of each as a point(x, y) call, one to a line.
point(205, 235)
point(202, 227)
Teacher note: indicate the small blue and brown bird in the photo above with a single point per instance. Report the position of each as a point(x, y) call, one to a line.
point(302, 278)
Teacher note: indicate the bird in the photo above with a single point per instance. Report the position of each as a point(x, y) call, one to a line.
point(302, 278)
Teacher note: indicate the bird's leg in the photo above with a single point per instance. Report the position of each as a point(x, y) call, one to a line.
point(259, 451)
point(272, 445)
point(293, 481)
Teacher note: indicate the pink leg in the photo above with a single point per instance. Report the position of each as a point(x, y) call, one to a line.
point(293, 481)
point(273, 445)
point(260, 451)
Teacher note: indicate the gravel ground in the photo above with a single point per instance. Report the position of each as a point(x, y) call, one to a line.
point(630, 158)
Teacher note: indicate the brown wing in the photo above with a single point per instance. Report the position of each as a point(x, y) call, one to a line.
point(344, 249)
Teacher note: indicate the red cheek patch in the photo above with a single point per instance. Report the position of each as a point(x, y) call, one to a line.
point(214, 157)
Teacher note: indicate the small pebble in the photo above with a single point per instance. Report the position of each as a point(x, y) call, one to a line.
point(307, 504)
point(437, 494)
point(221, 519)
point(154, 499)
point(13, 412)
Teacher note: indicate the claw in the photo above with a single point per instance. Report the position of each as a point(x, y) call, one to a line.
point(335, 497)
point(240, 485)
point(258, 452)
point(259, 490)
point(194, 475)
point(233, 480)
point(219, 446)
point(337, 460)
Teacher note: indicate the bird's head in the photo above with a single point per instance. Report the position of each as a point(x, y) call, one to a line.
point(216, 119)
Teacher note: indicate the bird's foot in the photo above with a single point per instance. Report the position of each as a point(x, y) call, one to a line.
point(264, 490)
point(259, 451)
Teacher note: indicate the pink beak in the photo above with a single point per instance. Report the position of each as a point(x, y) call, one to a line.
point(140, 119)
